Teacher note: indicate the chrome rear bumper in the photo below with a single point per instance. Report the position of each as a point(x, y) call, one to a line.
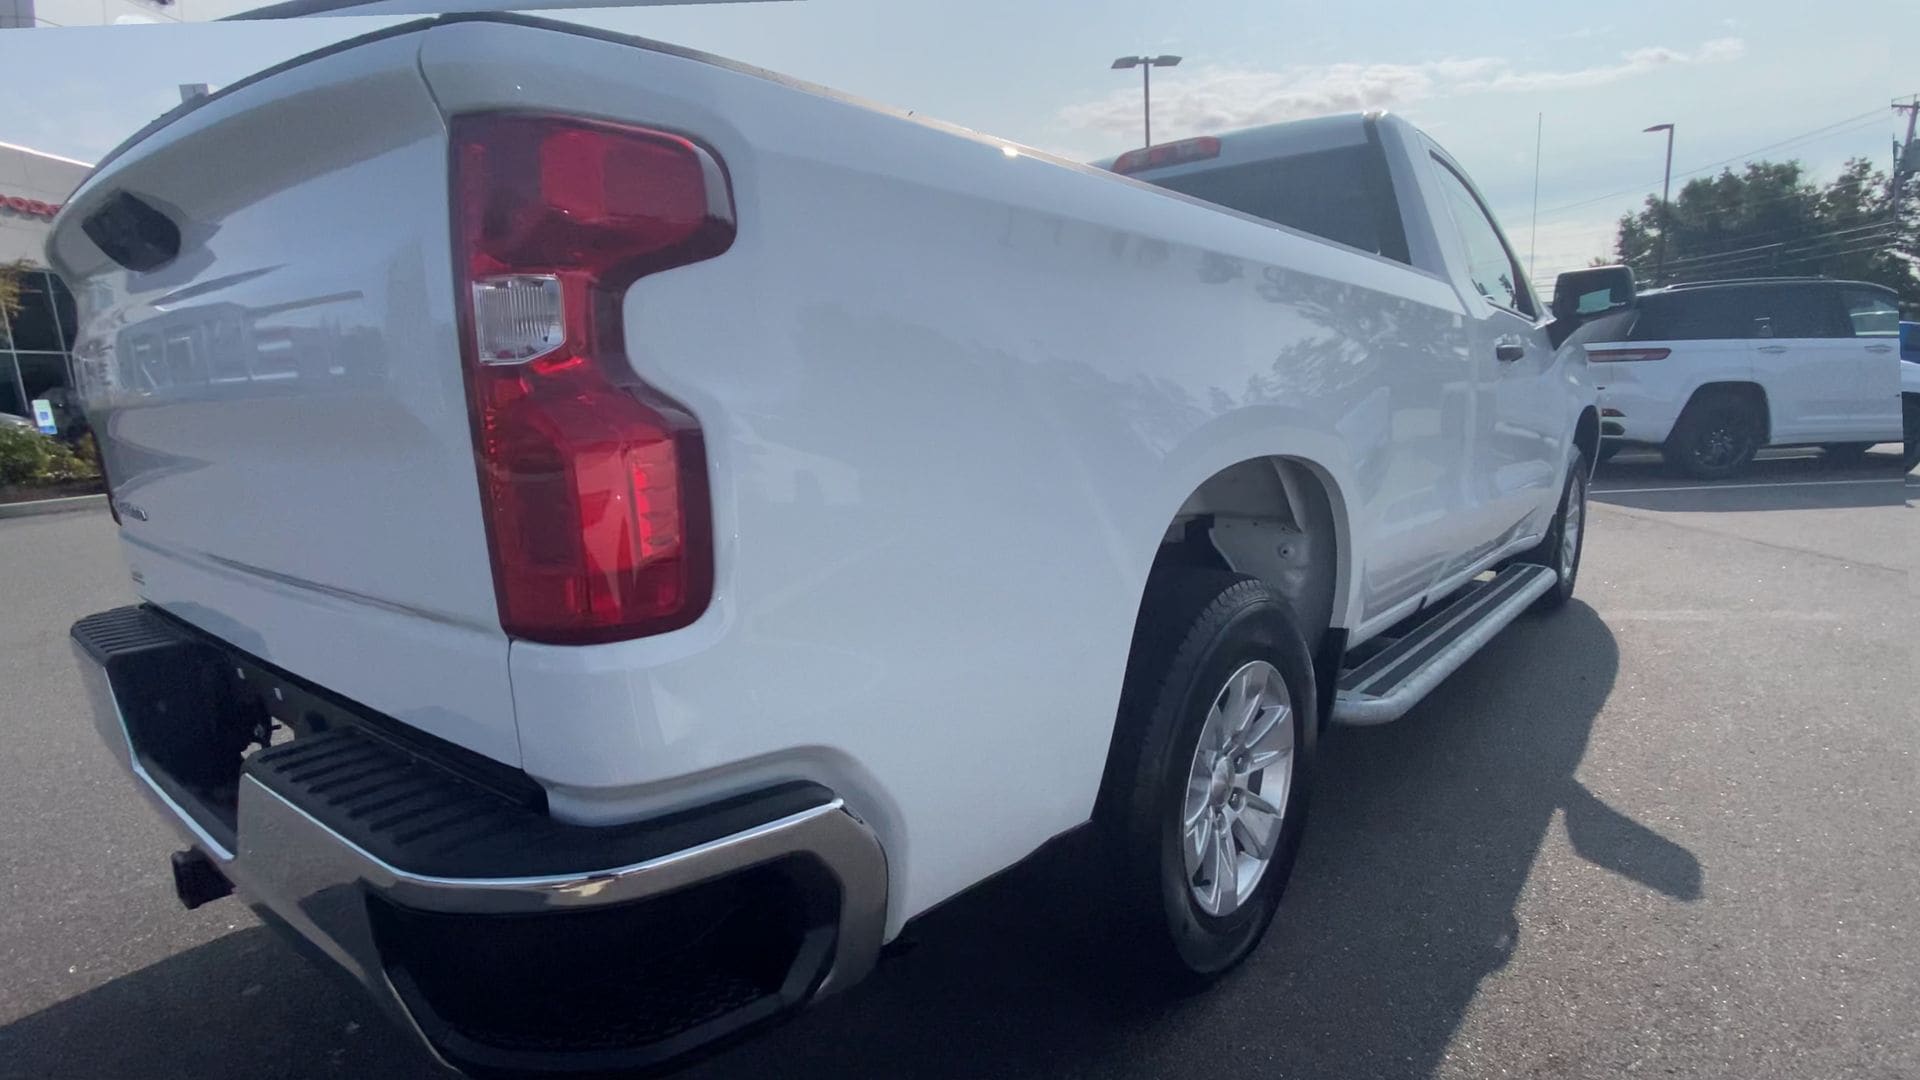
point(318, 882)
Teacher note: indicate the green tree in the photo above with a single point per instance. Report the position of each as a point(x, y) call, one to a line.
point(1770, 219)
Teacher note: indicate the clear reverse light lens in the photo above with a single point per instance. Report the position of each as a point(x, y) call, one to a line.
point(517, 318)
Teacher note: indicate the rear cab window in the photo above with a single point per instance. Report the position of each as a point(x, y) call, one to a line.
point(1325, 178)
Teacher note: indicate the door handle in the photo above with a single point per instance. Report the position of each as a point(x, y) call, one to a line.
point(1773, 350)
point(1880, 348)
point(1507, 352)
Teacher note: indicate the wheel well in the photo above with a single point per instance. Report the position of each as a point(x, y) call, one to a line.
point(1586, 435)
point(1272, 518)
point(1734, 391)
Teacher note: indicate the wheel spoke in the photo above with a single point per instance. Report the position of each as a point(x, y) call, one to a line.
point(1270, 739)
point(1264, 759)
point(1196, 806)
point(1252, 804)
point(1226, 877)
point(1257, 833)
point(1217, 731)
point(1245, 703)
point(1198, 841)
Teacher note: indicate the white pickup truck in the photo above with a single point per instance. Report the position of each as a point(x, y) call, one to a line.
point(620, 533)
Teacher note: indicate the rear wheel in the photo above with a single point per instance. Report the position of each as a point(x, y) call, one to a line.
point(1208, 788)
point(1716, 437)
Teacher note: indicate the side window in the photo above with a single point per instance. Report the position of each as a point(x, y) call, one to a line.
point(1699, 315)
point(1490, 266)
point(1806, 312)
point(1871, 312)
point(1652, 320)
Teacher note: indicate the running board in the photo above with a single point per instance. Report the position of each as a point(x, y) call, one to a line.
point(1393, 680)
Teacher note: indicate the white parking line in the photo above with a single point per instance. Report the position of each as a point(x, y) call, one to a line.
point(1737, 487)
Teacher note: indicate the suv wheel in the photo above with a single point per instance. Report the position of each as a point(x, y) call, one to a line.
point(1207, 791)
point(1715, 438)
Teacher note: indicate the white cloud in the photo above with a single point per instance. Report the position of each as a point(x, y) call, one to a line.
point(1560, 245)
point(1221, 99)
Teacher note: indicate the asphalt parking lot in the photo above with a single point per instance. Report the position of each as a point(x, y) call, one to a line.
point(1674, 830)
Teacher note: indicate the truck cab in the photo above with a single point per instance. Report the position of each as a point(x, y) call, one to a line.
point(1501, 400)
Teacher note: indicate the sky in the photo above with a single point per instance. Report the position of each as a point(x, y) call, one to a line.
point(1783, 77)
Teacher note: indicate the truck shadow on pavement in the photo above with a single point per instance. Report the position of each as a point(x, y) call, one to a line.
point(1404, 898)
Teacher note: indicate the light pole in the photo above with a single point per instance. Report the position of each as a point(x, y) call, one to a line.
point(1666, 209)
point(1146, 64)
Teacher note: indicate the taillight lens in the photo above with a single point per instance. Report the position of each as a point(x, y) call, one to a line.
point(594, 485)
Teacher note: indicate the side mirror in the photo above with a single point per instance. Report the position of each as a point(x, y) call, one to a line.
point(1596, 299)
point(1579, 295)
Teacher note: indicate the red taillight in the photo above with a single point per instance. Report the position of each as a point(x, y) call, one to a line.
point(1612, 356)
point(1173, 153)
point(594, 486)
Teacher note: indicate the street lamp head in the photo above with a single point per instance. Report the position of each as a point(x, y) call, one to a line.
point(1164, 61)
point(1658, 127)
point(1129, 61)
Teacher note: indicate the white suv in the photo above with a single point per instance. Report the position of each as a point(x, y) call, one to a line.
point(1712, 372)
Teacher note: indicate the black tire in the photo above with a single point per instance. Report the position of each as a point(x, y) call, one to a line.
point(1197, 628)
point(1716, 437)
point(1910, 418)
point(1845, 454)
point(1573, 492)
point(1607, 450)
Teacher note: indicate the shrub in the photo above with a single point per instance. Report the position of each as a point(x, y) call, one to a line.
point(29, 458)
point(24, 455)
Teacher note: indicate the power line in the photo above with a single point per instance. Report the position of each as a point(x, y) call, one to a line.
point(1861, 121)
point(1843, 236)
point(1865, 120)
point(1887, 225)
point(1773, 255)
point(1763, 267)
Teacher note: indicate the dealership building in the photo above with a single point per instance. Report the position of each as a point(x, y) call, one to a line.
point(35, 338)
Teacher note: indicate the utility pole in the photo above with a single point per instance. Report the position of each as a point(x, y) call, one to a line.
point(1905, 157)
point(1146, 64)
point(1666, 209)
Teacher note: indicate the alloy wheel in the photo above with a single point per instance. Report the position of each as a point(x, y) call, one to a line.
point(1237, 788)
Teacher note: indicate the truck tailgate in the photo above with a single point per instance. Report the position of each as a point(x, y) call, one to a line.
point(281, 406)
